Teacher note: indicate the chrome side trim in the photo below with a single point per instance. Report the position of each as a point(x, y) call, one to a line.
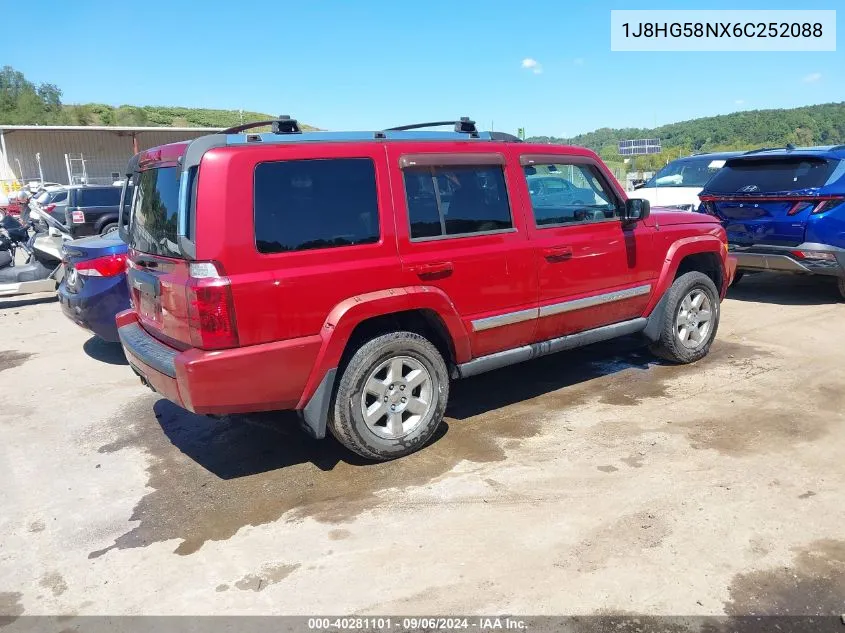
point(535, 350)
point(595, 300)
point(509, 318)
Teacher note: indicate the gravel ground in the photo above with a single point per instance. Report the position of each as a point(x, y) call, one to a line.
point(598, 481)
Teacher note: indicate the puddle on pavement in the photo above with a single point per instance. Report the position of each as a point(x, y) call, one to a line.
point(209, 478)
point(813, 585)
point(11, 358)
point(622, 621)
point(212, 477)
point(269, 575)
point(758, 430)
point(10, 607)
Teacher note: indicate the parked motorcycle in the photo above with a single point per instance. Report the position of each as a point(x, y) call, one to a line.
point(40, 237)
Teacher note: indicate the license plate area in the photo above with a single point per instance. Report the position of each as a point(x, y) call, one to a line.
point(146, 289)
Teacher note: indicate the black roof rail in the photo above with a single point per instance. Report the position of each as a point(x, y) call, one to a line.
point(762, 149)
point(463, 125)
point(283, 125)
point(504, 136)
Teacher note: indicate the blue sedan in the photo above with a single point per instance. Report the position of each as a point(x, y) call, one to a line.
point(94, 288)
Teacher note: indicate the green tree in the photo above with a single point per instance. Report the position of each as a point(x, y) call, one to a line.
point(24, 103)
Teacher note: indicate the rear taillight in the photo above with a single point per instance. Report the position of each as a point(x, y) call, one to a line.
point(827, 205)
point(49, 207)
point(817, 255)
point(77, 217)
point(211, 309)
point(798, 207)
point(108, 266)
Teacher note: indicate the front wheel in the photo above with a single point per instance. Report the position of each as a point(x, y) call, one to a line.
point(737, 277)
point(841, 285)
point(391, 396)
point(690, 319)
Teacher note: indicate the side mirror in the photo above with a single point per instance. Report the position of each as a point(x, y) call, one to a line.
point(636, 209)
point(639, 185)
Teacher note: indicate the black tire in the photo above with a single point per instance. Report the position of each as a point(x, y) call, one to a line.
point(346, 419)
point(737, 277)
point(669, 346)
point(841, 285)
point(108, 228)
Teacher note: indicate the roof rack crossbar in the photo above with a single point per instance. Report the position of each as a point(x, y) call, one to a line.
point(283, 125)
point(463, 125)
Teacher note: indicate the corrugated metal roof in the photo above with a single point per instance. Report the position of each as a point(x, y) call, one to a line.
point(106, 128)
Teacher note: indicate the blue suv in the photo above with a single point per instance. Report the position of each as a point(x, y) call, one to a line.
point(783, 210)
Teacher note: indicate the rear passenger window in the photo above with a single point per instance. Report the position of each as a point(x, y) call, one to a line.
point(322, 203)
point(106, 197)
point(456, 200)
point(564, 193)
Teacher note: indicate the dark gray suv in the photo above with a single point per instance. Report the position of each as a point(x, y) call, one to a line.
point(93, 209)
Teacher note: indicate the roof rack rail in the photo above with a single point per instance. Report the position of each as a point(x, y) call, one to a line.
point(283, 125)
point(505, 136)
point(463, 125)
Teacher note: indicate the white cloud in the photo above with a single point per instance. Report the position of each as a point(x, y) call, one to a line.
point(812, 78)
point(739, 101)
point(578, 61)
point(533, 65)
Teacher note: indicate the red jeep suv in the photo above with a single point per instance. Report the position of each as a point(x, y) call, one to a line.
point(349, 276)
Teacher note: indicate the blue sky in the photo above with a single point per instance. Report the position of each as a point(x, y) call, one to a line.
point(371, 64)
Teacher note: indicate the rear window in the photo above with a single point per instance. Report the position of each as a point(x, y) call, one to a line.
point(687, 172)
point(105, 197)
point(320, 203)
point(154, 212)
point(771, 175)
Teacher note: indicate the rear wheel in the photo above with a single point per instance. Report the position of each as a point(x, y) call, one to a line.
point(690, 319)
point(108, 228)
point(391, 396)
point(841, 284)
point(737, 277)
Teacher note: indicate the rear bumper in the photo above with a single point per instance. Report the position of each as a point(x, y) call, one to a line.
point(263, 377)
point(96, 311)
point(818, 259)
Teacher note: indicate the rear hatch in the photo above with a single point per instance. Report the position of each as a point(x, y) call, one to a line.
point(183, 303)
point(767, 200)
point(93, 257)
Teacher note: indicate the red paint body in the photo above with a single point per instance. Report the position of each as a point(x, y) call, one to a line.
point(295, 311)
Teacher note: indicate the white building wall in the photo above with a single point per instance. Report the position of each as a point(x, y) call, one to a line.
point(105, 151)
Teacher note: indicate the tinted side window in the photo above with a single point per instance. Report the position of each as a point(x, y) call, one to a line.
point(322, 203)
point(564, 193)
point(106, 197)
point(456, 200)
